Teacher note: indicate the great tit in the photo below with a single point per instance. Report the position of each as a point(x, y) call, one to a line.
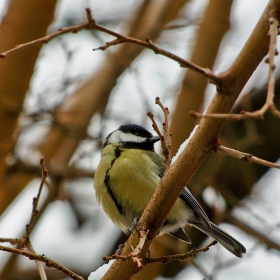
point(129, 173)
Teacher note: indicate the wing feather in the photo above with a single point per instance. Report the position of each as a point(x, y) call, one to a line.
point(188, 198)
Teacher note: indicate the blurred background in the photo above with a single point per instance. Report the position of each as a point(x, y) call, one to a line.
point(60, 100)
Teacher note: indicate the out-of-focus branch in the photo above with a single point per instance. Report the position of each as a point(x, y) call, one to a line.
point(210, 33)
point(25, 240)
point(64, 173)
point(46, 39)
point(244, 156)
point(250, 230)
point(269, 104)
point(17, 27)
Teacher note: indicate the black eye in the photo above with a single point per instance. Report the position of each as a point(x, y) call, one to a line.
point(137, 134)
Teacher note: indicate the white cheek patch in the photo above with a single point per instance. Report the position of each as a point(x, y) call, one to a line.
point(118, 136)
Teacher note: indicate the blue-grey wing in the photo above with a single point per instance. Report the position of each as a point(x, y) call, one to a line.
point(200, 214)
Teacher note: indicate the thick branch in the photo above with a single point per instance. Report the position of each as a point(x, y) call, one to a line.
point(203, 140)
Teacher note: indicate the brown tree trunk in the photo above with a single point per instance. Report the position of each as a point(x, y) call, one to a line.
point(23, 22)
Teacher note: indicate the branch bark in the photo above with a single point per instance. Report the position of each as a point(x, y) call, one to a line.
point(205, 138)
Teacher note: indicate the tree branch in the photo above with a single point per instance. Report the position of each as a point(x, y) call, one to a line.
point(269, 104)
point(202, 142)
point(244, 156)
point(91, 24)
point(181, 257)
point(42, 258)
point(46, 39)
point(165, 139)
point(157, 50)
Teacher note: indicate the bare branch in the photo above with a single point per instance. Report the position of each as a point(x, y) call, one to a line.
point(91, 24)
point(166, 148)
point(245, 156)
point(157, 50)
point(181, 257)
point(12, 241)
point(34, 212)
point(46, 39)
point(42, 258)
point(165, 139)
point(269, 104)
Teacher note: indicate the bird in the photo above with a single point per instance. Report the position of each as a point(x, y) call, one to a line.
point(127, 176)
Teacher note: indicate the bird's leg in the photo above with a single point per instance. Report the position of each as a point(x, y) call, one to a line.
point(119, 250)
point(134, 224)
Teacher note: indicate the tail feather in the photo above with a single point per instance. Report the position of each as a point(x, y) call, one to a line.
point(230, 243)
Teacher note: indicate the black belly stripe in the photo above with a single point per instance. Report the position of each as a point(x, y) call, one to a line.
point(107, 183)
point(118, 153)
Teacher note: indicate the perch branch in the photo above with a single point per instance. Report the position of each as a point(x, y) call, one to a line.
point(134, 255)
point(181, 257)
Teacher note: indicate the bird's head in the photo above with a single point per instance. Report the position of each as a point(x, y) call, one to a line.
point(132, 136)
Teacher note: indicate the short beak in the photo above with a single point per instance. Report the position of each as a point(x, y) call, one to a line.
point(153, 139)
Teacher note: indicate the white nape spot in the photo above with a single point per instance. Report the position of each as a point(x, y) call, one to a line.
point(118, 136)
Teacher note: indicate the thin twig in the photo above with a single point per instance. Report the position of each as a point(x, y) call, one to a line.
point(12, 241)
point(42, 258)
point(269, 103)
point(157, 50)
point(91, 24)
point(46, 39)
point(165, 139)
point(245, 156)
point(167, 135)
point(181, 257)
point(34, 212)
point(155, 126)
point(24, 242)
point(39, 264)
